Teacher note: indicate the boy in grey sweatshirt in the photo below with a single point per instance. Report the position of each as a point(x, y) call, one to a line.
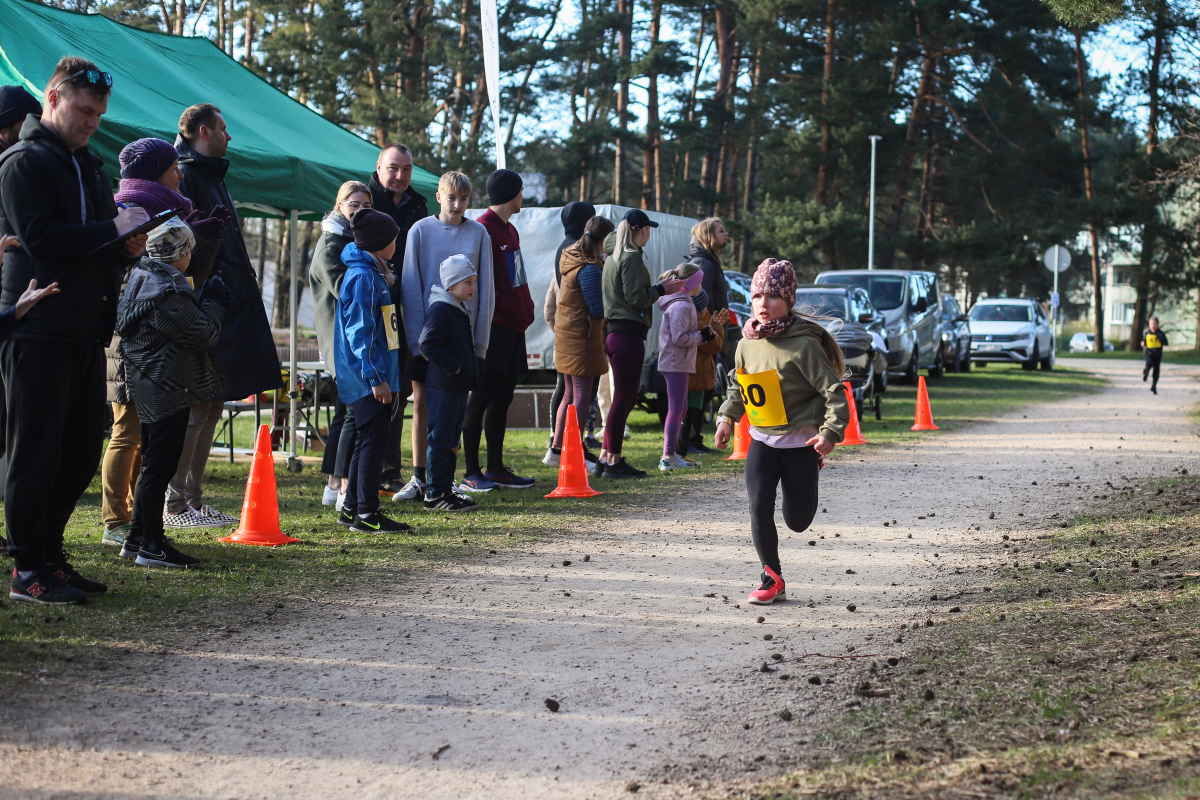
point(430, 242)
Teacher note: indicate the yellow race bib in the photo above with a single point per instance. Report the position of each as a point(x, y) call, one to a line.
point(391, 326)
point(762, 398)
point(1152, 342)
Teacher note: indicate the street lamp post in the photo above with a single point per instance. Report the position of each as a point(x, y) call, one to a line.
point(871, 218)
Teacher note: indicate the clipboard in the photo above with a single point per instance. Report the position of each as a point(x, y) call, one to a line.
point(145, 227)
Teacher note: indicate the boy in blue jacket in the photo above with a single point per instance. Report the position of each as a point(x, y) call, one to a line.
point(366, 356)
point(447, 342)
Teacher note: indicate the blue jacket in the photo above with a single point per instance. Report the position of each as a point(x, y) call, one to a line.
point(360, 348)
point(449, 344)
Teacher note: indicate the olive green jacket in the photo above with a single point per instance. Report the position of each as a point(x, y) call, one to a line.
point(812, 391)
point(628, 291)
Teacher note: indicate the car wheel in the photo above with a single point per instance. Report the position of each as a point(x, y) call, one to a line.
point(910, 374)
point(956, 362)
point(966, 361)
point(980, 364)
point(1032, 363)
point(881, 382)
point(939, 367)
point(1048, 361)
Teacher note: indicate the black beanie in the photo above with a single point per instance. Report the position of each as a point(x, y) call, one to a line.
point(15, 103)
point(373, 230)
point(503, 185)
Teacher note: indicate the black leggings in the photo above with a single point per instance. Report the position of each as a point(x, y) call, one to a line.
point(1153, 365)
point(487, 416)
point(766, 466)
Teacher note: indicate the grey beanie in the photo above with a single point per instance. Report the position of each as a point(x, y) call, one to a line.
point(456, 269)
point(170, 241)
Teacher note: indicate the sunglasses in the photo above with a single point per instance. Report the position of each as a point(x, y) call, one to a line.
point(355, 204)
point(92, 76)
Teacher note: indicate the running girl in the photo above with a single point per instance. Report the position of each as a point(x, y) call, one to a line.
point(787, 377)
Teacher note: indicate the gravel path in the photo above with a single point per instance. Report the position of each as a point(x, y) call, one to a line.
point(436, 688)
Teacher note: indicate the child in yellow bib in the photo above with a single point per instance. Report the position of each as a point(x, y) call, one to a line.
point(1153, 342)
point(787, 379)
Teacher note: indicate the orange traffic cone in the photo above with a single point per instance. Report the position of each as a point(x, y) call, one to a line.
point(572, 472)
point(741, 439)
point(260, 509)
point(924, 417)
point(853, 433)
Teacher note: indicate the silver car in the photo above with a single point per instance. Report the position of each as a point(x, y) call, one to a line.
point(1011, 330)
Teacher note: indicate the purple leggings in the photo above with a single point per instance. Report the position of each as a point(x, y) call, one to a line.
point(626, 354)
point(577, 392)
point(677, 397)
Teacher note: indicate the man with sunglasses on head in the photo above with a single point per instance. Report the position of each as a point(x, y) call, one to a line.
point(392, 193)
point(56, 200)
point(245, 353)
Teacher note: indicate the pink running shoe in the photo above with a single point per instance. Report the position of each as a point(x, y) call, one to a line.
point(772, 589)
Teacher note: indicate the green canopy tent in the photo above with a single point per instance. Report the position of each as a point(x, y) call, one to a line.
point(287, 161)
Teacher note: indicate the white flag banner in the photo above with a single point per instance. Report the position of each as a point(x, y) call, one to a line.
point(490, 29)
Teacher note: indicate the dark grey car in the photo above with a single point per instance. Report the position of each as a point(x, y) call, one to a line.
point(911, 306)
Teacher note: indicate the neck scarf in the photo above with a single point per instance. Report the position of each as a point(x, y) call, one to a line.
point(152, 196)
point(753, 329)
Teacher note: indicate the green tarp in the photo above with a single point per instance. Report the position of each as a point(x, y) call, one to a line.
point(284, 155)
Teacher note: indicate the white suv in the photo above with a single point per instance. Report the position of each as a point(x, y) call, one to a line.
point(1011, 330)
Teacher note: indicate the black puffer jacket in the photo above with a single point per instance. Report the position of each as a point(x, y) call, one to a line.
point(714, 283)
point(61, 207)
point(246, 352)
point(412, 207)
point(166, 341)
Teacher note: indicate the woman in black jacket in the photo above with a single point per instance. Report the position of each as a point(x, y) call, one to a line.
point(709, 238)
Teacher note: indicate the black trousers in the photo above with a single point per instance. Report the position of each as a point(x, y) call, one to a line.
point(555, 400)
point(345, 449)
point(162, 445)
point(1153, 365)
point(54, 431)
point(797, 469)
point(373, 423)
point(329, 460)
point(487, 410)
point(393, 459)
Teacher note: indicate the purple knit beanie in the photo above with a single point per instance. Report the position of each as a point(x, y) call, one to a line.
point(147, 159)
point(775, 278)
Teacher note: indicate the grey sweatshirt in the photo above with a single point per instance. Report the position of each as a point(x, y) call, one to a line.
point(430, 242)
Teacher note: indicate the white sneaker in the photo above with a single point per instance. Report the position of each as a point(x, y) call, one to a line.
point(329, 497)
point(340, 502)
point(190, 518)
point(628, 433)
point(413, 491)
point(219, 516)
point(552, 459)
point(671, 462)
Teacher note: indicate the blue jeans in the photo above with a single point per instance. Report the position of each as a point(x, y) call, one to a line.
point(447, 410)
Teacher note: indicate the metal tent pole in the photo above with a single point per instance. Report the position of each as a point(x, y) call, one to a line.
point(293, 463)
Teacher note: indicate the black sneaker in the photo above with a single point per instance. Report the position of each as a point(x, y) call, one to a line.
point(450, 502)
point(42, 587)
point(392, 486)
point(346, 518)
point(591, 442)
point(622, 469)
point(696, 446)
point(164, 555)
point(130, 548)
point(378, 523)
point(67, 574)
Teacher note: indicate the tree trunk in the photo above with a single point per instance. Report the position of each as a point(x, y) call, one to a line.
point(1149, 225)
point(651, 180)
point(459, 103)
point(726, 46)
point(180, 16)
point(624, 47)
point(1093, 234)
point(248, 59)
point(826, 123)
point(279, 319)
point(916, 119)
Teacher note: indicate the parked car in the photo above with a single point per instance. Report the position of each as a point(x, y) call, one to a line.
point(853, 320)
point(1011, 330)
point(911, 307)
point(956, 336)
point(1086, 343)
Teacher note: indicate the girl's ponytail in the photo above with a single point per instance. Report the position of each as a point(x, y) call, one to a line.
point(833, 352)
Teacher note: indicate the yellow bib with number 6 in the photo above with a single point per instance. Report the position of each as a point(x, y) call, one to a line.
point(391, 326)
point(762, 398)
